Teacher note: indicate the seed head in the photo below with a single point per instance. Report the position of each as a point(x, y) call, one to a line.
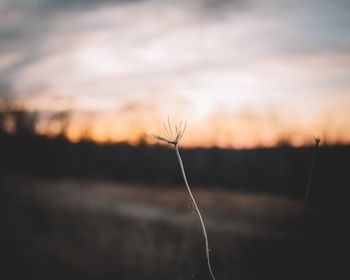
point(171, 134)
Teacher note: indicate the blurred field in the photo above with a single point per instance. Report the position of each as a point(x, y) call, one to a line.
point(76, 229)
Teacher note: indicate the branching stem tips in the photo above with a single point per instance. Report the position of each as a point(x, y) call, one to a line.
point(170, 136)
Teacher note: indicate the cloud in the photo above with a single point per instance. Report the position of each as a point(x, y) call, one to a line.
point(25, 27)
point(292, 56)
point(137, 48)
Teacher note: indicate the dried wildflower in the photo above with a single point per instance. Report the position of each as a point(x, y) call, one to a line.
point(173, 136)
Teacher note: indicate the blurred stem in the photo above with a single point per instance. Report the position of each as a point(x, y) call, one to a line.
point(314, 159)
point(308, 225)
point(198, 212)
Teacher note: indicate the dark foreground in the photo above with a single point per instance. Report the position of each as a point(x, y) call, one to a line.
point(75, 229)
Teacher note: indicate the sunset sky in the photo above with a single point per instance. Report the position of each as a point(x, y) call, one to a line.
point(243, 73)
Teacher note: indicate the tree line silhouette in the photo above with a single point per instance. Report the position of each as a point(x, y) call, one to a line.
point(279, 170)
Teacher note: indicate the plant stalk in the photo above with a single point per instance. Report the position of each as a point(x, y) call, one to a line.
point(198, 212)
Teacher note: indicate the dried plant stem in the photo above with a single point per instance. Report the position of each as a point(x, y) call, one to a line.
point(314, 159)
point(308, 225)
point(198, 212)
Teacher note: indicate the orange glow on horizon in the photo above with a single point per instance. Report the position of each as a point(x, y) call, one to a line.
point(217, 130)
point(222, 127)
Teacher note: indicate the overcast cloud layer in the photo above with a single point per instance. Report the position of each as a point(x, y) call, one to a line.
point(286, 54)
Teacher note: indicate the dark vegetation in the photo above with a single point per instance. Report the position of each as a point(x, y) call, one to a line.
point(280, 170)
point(43, 239)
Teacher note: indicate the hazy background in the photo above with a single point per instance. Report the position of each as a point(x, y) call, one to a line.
point(243, 73)
point(83, 193)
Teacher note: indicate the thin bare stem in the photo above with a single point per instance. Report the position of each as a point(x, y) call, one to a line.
point(198, 212)
point(307, 226)
point(166, 131)
point(314, 158)
point(171, 131)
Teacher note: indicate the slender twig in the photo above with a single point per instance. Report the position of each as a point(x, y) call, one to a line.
point(309, 183)
point(307, 227)
point(173, 138)
point(207, 250)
